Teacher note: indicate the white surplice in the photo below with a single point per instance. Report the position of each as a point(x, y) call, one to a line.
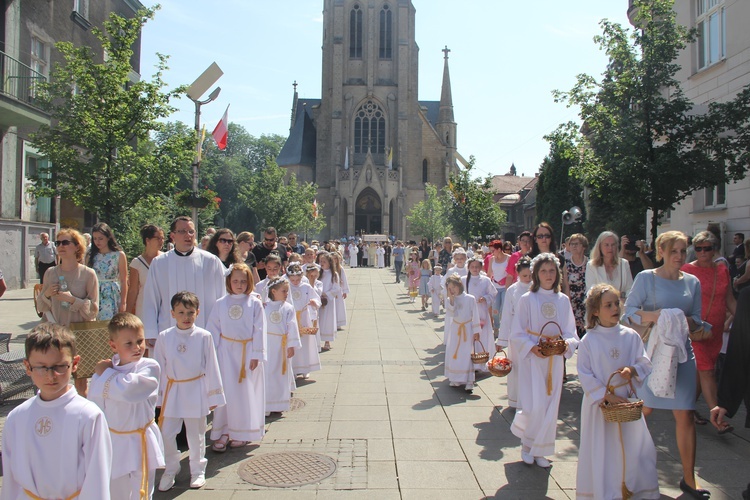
point(481, 287)
point(281, 324)
point(340, 302)
point(435, 286)
point(200, 272)
point(380, 252)
point(510, 304)
point(306, 358)
point(601, 352)
point(461, 271)
point(327, 321)
point(353, 251)
point(459, 335)
point(127, 395)
point(238, 324)
point(55, 449)
point(535, 421)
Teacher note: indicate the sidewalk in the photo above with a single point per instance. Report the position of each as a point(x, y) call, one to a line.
point(383, 412)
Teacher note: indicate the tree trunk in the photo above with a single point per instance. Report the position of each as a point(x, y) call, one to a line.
point(654, 227)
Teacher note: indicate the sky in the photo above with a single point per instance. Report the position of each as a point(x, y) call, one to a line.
point(506, 59)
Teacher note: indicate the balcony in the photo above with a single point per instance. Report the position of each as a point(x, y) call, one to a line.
point(17, 102)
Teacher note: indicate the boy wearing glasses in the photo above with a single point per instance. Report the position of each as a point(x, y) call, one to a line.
point(56, 444)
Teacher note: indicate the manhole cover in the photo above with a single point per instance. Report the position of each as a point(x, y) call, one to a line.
point(287, 469)
point(296, 404)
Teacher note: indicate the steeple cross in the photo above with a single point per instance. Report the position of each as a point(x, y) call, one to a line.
point(295, 85)
point(445, 51)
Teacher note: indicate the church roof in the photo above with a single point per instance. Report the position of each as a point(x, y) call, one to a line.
point(300, 147)
point(509, 184)
point(431, 110)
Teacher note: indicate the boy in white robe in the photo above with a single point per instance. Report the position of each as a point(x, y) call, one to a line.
point(189, 388)
point(539, 396)
point(283, 340)
point(460, 334)
point(510, 306)
point(480, 286)
point(312, 273)
point(126, 388)
point(303, 298)
point(238, 326)
point(56, 444)
point(435, 285)
point(606, 348)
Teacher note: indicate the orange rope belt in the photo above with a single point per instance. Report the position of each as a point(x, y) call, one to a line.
point(144, 456)
point(283, 350)
point(550, 364)
point(461, 335)
point(244, 342)
point(170, 382)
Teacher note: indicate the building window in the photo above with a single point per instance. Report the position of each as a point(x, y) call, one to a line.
point(715, 197)
point(711, 25)
point(81, 7)
point(39, 56)
point(35, 209)
point(424, 170)
point(369, 129)
point(386, 33)
point(355, 32)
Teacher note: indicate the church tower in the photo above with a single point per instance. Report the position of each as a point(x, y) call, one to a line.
point(375, 143)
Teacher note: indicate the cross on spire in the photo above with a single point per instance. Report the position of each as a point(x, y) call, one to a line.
point(445, 51)
point(295, 85)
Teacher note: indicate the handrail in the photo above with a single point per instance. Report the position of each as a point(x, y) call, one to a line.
point(19, 81)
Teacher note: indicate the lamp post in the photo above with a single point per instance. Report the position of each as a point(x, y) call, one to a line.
point(194, 92)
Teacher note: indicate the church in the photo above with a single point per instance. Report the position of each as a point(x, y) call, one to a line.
point(368, 142)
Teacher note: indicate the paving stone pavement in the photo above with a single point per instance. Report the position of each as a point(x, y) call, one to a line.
point(381, 408)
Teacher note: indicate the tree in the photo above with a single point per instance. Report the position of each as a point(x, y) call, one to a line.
point(427, 218)
point(557, 190)
point(284, 205)
point(470, 208)
point(646, 152)
point(99, 116)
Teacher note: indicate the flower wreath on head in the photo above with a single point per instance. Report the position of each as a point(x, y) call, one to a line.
point(294, 269)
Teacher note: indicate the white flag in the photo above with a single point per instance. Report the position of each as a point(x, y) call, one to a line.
point(390, 159)
point(346, 159)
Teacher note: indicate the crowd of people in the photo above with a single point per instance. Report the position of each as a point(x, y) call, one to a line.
point(221, 325)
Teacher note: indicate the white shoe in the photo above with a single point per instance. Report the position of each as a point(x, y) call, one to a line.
point(198, 481)
point(469, 387)
point(527, 458)
point(167, 481)
point(542, 462)
point(454, 384)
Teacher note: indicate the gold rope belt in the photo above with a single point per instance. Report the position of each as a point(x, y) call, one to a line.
point(144, 456)
point(170, 382)
point(244, 353)
point(549, 366)
point(283, 350)
point(626, 493)
point(461, 333)
point(34, 497)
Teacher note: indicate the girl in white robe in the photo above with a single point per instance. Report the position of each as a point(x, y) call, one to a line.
point(273, 270)
point(238, 325)
point(480, 286)
point(510, 306)
point(327, 325)
point(539, 396)
point(283, 340)
point(459, 267)
point(304, 298)
point(606, 348)
point(435, 286)
point(340, 303)
point(312, 272)
point(460, 334)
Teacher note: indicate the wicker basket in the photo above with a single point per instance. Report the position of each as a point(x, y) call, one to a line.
point(92, 344)
point(621, 412)
point(502, 368)
point(413, 294)
point(308, 330)
point(479, 358)
point(552, 346)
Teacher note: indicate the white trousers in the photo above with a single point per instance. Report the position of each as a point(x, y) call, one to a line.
point(196, 438)
point(128, 487)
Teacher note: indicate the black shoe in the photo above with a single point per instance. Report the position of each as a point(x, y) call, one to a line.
point(699, 494)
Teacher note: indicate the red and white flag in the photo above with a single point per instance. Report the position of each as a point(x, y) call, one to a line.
point(221, 132)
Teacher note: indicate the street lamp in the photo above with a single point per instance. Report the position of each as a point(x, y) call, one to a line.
point(194, 92)
point(569, 217)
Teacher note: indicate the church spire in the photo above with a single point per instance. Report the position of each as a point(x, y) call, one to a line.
point(294, 107)
point(446, 99)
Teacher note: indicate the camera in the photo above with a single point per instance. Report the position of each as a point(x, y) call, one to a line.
point(631, 243)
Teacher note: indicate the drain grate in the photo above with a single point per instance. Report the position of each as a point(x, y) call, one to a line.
point(287, 469)
point(296, 404)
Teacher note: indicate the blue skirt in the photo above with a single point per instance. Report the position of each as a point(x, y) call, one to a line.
point(684, 398)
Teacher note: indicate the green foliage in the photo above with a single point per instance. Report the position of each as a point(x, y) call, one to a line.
point(557, 189)
point(428, 218)
point(637, 124)
point(470, 208)
point(285, 205)
point(100, 116)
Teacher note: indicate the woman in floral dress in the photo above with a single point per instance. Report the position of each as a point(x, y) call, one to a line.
point(108, 260)
point(574, 281)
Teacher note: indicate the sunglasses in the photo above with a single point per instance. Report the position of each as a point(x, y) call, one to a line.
point(704, 249)
point(226, 241)
point(543, 236)
point(270, 239)
point(64, 243)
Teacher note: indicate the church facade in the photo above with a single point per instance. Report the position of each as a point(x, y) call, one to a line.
point(369, 142)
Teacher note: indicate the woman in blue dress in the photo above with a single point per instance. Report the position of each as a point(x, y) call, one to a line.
point(665, 288)
point(108, 260)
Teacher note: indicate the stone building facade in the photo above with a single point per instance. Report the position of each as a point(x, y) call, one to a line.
point(369, 142)
point(28, 33)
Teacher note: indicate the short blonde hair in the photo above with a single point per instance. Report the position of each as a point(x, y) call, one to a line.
point(594, 302)
point(243, 268)
point(123, 321)
point(456, 280)
point(665, 242)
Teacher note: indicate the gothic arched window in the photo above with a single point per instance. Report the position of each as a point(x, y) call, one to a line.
point(355, 32)
point(386, 32)
point(424, 170)
point(369, 129)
